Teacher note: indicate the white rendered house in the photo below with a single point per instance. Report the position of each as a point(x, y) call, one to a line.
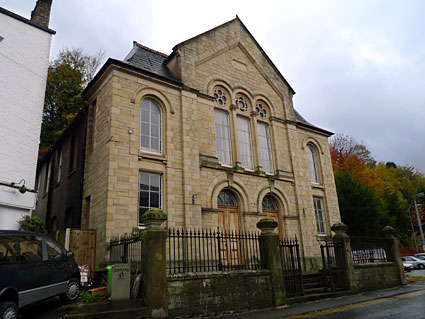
point(24, 61)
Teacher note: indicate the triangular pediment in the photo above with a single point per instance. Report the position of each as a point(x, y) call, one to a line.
point(236, 35)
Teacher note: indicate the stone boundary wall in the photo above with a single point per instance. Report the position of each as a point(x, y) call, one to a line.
point(373, 276)
point(217, 292)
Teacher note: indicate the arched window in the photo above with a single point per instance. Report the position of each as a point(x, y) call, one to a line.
point(313, 167)
point(222, 137)
point(226, 199)
point(150, 126)
point(269, 203)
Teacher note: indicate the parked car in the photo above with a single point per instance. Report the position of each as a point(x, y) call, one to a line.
point(420, 256)
point(407, 267)
point(416, 262)
point(34, 267)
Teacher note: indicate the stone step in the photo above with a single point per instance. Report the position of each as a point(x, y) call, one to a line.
point(320, 284)
point(314, 291)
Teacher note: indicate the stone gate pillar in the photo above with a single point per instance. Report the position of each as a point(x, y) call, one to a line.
point(270, 258)
point(346, 259)
point(154, 273)
point(395, 252)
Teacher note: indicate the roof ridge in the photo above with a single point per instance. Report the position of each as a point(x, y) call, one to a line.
point(149, 49)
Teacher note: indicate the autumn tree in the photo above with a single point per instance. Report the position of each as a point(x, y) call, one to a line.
point(67, 77)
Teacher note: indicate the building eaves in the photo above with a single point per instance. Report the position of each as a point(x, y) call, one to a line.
point(301, 121)
point(25, 20)
point(131, 67)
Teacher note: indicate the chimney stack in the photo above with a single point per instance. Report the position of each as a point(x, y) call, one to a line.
point(41, 12)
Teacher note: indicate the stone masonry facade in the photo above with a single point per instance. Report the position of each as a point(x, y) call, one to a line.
point(229, 58)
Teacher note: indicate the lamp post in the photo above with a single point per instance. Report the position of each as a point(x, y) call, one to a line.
point(413, 229)
point(419, 219)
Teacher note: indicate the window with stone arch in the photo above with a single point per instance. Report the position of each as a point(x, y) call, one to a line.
point(150, 126)
point(313, 164)
point(264, 139)
point(221, 96)
point(270, 208)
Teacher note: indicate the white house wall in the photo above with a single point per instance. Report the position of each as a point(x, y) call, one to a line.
point(24, 60)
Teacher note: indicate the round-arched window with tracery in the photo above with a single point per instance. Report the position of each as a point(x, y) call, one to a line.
point(226, 198)
point(269, 203)
point(220, 96)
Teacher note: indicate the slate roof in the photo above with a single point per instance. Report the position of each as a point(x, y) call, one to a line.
point(150, 60)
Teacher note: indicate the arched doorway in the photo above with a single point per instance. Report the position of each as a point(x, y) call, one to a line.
point(271, 210)
point(228, 221)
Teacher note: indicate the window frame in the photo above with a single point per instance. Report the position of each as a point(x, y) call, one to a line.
point(149, 149)
point(313, 164)
point(267, 148)
point(319, 214)
point(220, 152)
point(250, 148)
point(160, 193)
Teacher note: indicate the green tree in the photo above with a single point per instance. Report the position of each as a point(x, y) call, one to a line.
point(360, 208)
point(67, 77)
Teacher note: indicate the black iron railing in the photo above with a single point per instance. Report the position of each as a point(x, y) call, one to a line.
point(370, 250)
point(291, 266)
point(211, 250)
point(334, 265)
point(126, 249)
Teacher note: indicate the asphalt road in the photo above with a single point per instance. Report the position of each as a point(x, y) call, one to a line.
point(407, 302)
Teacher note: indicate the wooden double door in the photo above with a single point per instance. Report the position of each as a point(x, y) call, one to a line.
point(229, 225)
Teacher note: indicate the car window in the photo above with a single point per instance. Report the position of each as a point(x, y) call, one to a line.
point(28, 248)
point(54, 250)
point(7, 253)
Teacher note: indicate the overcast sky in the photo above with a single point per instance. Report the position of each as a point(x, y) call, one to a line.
point(358, 67)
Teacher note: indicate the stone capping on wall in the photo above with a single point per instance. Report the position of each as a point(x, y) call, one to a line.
point(214, 274)
point(374, 265)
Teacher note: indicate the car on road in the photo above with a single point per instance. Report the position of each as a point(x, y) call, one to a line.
point(415, 262)
point(407, 267)
point(34, 267)
point(419, 256)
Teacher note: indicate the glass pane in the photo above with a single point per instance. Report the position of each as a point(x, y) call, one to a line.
point(155, 108)
point(144, 141)
point(144, 199)
point(155, 143)
point(144, 181)
point(144, 129)
point(146, 104)
point(30, 250)
point(145, 116)
point(155, 180)
point(155, 118)
point(155, 130)
point(54, 250)
point(154, 200)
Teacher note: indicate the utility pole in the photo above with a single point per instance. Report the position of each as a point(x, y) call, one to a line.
point(419, 219)
point(413, 229)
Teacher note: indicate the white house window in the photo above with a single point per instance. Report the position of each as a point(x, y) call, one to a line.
point(222, 137)
point(265, 149)
point(312, 164)
point(150, 126)
point(244, 138)
point(150, 191)
point(320, 218)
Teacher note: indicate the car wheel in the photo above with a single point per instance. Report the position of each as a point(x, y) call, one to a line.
point(8, 310)
point(421, 266)
point(72, 291)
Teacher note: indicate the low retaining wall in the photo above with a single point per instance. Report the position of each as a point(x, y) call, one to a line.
point(374, 276)
point(199, 293)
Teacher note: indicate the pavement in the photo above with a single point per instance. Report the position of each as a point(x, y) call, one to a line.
point(326, 306)
point(47, 308)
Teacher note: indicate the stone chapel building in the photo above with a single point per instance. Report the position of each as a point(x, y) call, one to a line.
point(208, 134)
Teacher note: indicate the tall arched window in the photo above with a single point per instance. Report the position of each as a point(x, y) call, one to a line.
point(270, 209)
point(222, 137)
point(150, 126)
point(313, 166)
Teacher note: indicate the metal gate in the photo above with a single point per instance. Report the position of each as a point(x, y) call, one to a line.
point(291, 267)
point(334, 266)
